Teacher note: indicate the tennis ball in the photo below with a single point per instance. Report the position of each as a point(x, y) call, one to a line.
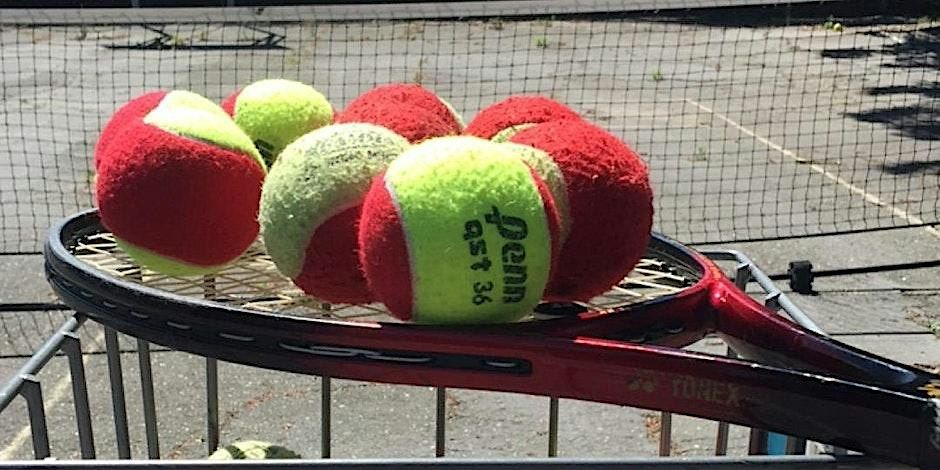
point(499, 121)
point(411, 122)
point(310, 206)
point(180, 186)
point(458, 230)
point(253, 450)
point(138, 107)
point(408, 109)
point(610, 205)
point(413, 95)
point(133, 109)
point(274, 112)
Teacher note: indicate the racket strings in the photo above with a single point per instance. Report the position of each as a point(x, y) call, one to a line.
point(254, 283)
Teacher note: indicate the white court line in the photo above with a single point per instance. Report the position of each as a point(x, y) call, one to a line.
point(59, 391)
point(898, 212)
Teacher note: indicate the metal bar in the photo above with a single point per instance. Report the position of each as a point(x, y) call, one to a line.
point(440, 423)
point(553, 427)
point(757, 444)
point(150, 409)
point(775, 444)
point(32, 392)
point(86, 438)
point(665, 434)
point(118, 397)
point(210, 291)
point(212, 405)
point(742, 276)
point(815, 462)
point(721, 439)
point(325, 417)
point(795, 446)
point(38, 360)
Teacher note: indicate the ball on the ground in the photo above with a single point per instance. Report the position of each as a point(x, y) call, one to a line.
point(310, 207)
point(275, 112)
point(501, 120)
point(253, 450)
point(179, 187)
point(610, 204)
point(458, 230)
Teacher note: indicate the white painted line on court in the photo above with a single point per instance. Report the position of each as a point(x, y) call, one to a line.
point(898, 212)
point(59, 391)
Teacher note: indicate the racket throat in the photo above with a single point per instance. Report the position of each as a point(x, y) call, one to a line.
point(760, 334)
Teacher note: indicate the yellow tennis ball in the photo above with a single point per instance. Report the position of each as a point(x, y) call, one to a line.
point(275, 112)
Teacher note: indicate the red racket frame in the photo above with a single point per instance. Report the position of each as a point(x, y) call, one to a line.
point(805, 385)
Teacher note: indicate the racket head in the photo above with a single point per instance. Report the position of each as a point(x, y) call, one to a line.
point(251, 287)
point(583, 356)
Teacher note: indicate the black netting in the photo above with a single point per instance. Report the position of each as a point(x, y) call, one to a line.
point(760, 122)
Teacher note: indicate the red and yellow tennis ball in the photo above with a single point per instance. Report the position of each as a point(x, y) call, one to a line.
point(458, 230)
point(310, 207)
point(137, 108)
point(408, 109)
point(501, 120)
point(414, 95)
point(275, 112)
point(610, 205)
point(179, 186)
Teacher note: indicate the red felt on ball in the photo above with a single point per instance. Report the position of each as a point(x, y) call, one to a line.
point(228, 104)
point(516, 110)
point(182, 198)
point(381, 232)
point(611, 206)
point(410, 94)
point(331, 261)
point(133, 109)
point(178, 184)
point(409, 121)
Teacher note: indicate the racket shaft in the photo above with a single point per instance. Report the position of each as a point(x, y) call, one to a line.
point(872, 420)
point(760, 334)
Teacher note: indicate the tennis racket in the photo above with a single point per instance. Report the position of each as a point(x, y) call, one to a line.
point(621, 348)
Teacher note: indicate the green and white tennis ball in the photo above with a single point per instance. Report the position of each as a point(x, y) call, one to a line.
point(310, 207)
point(458, 230)
point(253, 450)
point(275, 112)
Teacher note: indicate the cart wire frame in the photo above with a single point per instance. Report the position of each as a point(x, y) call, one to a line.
point(25, 383)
